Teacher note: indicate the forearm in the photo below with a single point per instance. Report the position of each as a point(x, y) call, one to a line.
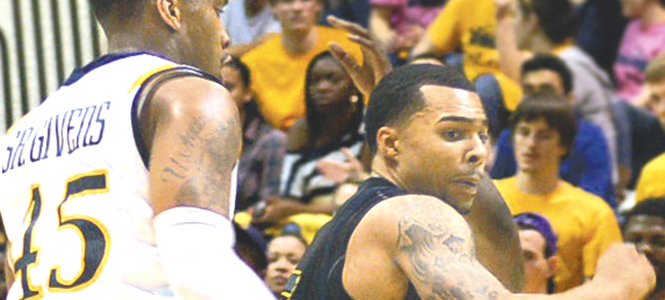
point(313, 208)
point(510, 57)
point(380, 31)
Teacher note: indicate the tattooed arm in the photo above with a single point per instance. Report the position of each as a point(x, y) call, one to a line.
point(192, 130)
point(193, 133)
point(436, 252)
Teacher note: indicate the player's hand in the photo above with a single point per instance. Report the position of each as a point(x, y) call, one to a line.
point(276, 209)
point(375, 62)
point(623, 267)
point(338, 171)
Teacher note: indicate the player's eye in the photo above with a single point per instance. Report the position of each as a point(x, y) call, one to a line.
point(452, 135)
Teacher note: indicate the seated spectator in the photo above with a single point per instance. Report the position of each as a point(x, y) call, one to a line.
point(643, 40)
point(548, 26)
point(471, 26)
point(645, 227)
point(278, 65)
point(647, 125)
point(588, 166)
point(251, 247)
point(263, 146)
point(397, 25)
point(284, 254)
point(650, 184)
point(539, 246)
point(600, 20)
point(248, 23)
point(333, 122)
point(544, 131)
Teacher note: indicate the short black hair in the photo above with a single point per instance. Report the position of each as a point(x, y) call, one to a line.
point(557, 18)
point(654, 207)
point(242, 68)
point(126, 9)
point(556, 111)
point(552, 63)
point(397, 96)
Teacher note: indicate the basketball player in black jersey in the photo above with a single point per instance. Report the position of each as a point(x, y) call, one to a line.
point(403, 235)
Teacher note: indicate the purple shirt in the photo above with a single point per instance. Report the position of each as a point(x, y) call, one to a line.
point(640, 44)
point(411, 12)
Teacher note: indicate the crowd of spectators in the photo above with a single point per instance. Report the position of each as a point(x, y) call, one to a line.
point(574, 92)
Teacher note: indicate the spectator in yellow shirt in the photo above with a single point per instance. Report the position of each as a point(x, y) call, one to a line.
point(543, 132)
point(278, 65)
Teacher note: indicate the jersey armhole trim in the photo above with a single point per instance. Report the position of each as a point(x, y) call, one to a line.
point(146, 89)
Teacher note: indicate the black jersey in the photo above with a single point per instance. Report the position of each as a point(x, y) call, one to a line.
point(319, 274)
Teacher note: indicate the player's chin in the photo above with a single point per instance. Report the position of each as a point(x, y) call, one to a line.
point(461, 202)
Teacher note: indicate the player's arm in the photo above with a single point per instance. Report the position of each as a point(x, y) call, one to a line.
point(495, 236)
point(434, 248)
point(193, 133)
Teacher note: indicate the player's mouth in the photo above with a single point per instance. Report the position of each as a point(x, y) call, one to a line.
point(471, 181)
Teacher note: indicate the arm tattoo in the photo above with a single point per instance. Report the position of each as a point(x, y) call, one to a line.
point(441, 259)
point(204, 157)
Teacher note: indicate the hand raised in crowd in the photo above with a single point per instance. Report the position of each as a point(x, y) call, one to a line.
point(375, 62)
point(275, 210)
point(337, 171)
point(504, 8)
point(622, 266)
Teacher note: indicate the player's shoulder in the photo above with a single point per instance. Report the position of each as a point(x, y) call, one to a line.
point(426, 209)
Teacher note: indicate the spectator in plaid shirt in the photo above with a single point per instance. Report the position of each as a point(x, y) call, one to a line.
point(263, 148)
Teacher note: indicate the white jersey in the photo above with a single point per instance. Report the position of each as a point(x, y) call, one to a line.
point(75, 190)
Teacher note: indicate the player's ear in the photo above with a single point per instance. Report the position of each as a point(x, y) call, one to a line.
point(387, 142)
point(170, 12)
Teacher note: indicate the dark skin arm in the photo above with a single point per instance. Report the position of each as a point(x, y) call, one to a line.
point(192, 129)
point(422, 240)
point(495, 235)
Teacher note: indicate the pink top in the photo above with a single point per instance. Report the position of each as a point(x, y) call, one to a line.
point(640, 44)
point(412, 12)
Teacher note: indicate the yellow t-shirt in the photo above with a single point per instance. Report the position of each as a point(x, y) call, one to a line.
point(585, 224)
point(278, 76)
point(651, 183)
point(472, 25)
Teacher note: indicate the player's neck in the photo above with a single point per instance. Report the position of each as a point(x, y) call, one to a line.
point(297, 41)
point(655, 14)
point(538, 182)
point(123, 43)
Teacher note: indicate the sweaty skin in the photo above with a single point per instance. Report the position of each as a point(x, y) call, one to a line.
point(496, 238)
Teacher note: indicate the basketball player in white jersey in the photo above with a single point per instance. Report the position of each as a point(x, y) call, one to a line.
point(120, 185)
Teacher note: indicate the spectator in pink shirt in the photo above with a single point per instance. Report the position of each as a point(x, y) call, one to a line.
point(643, 40)
point(397, 25)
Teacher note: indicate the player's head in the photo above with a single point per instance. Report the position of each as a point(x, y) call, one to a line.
point(645, 227)
point(635, 9)
point(655, 85)
point(539, 247)
point(546, 73)
point(236, 80)
point(330, 91)
point(555, 18)
point(297, 16)
point(544, 129)
point(284, 254)
point(427, 128)
point(189, 32)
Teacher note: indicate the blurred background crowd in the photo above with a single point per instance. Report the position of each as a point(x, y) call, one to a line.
point(574, 92)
